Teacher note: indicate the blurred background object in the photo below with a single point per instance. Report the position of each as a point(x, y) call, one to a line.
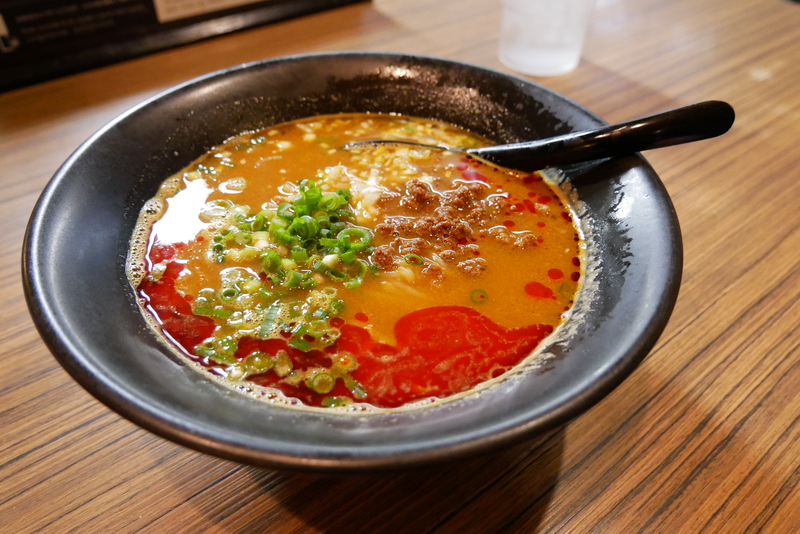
point(43, 39)
point(543, 37)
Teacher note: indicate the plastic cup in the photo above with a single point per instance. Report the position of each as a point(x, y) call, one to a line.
point(543, 37)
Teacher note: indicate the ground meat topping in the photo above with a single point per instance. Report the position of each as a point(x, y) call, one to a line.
point(418, 195)
point(445, 224)
point(446, 212)
point(525, 241)
point(386, 228)
point(434, 271)
point(386, 198)
point(477, 216)
point(465, 195)
point(395, 226)
point(383, 257)
point(475, 266)
point(502, 235)
point(410, 246)
point(443, 230)
point(448, 255)
point(452, 232)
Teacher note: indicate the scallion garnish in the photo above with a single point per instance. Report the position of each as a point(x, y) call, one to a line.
point(322, 383)
point(286, 211)
point(299, 254)
point(355, 238)
point(414, 259)
point(295, 244)
point(478, 296)
point(293, 279)
point(229, 294)
point(270, 260)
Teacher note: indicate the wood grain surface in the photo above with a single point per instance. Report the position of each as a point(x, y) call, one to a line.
point(703, 437)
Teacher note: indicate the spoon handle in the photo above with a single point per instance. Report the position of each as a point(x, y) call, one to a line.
point(681, 125)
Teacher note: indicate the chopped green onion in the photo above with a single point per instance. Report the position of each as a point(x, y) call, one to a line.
point(479, 296)
point(219, 350)
point(276, 223)
point(286, 211)
point(270, 260)
point(293, 279)
point(251, 285)
point(363, 236)
point(229, 294)
point(300, 344)
point(308, 283)
point(243, 238)
point(300, 209)
point(283, 364)
point(345, 361)
point(348, 257)
point(248, 254)
point(355, 387)
point(318, 328)
point(355, 279)
point(299, 254)
point(270, 320)
point(221, 313)
point(312, 196)
point(414, 259)
point(336, 307)
point(331, 201)
point(336, 274)
point(319, 266)
point(282, 236)
point(305, 227)
point(322, 383)
point(258, 362)
point(317, 235)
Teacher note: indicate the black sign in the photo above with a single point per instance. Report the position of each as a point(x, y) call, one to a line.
point(41, 39)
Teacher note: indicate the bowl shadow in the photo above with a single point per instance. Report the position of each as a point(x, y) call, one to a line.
point(495, 492)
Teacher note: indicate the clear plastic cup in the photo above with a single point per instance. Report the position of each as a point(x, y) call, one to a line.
point(543, 37)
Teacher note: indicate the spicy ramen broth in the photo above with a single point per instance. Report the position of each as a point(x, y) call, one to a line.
point(380, 274)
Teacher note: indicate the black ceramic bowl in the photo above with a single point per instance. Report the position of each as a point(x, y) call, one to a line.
point(77, 241)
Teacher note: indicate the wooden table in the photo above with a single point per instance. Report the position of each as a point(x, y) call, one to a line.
point(703, 437)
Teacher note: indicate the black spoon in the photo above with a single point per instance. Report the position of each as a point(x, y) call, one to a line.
point(681, 125)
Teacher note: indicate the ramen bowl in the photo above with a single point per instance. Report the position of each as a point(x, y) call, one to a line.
point(87, 312)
